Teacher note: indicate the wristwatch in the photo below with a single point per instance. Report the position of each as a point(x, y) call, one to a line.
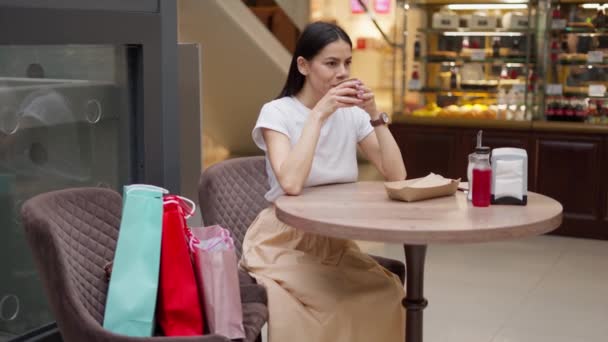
point(382, 120)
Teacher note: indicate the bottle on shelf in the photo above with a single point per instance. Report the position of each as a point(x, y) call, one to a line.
point(551, 107)
point(555, 50)
point(474, 44)
point(504, 73)
point(417, 47)
point(602, 111)
point(592, 111)
point(557, 23)
point(600, 20)
point(502, 104)
point(532, 81)
point(515, 43)
point(580, 109)
point(465, 42)
point(569, 107)
point(414, 83)
point(564, 46)
point(496, 47)
point(556, 13)
point(415, 74)
point(454, 84)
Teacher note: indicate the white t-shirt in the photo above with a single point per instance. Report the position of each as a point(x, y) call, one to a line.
point(335, 159)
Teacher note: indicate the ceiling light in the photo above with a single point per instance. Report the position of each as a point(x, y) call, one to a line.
point(472, 7)
point(481, 33)
point(592, 6)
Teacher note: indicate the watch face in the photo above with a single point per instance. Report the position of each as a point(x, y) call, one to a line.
point(384, 117)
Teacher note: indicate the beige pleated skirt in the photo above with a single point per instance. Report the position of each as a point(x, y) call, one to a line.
point(320, 288)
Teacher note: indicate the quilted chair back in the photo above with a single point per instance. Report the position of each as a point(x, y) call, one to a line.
point(72, 234)
point(231, 194)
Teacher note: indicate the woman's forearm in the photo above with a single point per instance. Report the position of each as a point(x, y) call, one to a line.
point(294, 170)
point(392, 161)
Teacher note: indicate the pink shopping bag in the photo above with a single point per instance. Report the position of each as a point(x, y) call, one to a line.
point(218, 280)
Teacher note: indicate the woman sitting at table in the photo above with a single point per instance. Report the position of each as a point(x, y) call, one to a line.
point(322, 288)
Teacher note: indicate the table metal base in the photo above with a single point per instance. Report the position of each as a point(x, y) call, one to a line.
point(414, 301)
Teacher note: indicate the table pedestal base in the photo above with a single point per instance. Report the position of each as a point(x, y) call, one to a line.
point(414, 301)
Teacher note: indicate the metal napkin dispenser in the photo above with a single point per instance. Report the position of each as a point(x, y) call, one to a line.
point(509, 176)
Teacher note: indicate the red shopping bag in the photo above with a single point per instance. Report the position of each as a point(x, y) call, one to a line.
point(179, 311)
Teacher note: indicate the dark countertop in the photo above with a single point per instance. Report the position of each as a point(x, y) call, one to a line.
point(572, 127)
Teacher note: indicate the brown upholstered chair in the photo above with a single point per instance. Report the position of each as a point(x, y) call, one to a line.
point(72, 234)
point(231, 194)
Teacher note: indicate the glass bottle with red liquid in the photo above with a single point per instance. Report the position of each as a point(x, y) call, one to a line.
point(481, 185)
point(482, 177)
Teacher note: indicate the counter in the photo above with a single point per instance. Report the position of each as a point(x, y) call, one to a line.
point(567, 161)
point(553, 126)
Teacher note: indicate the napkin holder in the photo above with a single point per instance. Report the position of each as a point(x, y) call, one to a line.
point(509, 176)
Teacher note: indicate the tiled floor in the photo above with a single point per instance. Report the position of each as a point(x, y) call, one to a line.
point(532, 290)
point(541, 289)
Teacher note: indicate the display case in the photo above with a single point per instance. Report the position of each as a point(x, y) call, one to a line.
point(555, 106)
point(471, 60)
point(577, 67)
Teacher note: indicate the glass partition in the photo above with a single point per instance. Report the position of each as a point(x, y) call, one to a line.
point(63, 113)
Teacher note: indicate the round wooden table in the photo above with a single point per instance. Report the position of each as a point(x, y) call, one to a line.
point(363, 211)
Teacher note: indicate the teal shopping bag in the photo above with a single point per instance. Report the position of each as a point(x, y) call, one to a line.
point(131, 299)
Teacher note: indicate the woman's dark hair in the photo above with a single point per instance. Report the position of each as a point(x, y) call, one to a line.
point(313, 39)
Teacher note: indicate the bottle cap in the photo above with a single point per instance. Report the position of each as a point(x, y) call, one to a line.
point(482, 149)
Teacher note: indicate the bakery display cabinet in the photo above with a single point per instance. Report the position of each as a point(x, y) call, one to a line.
point(577, 62)
point(530, 74)
point(471, 60)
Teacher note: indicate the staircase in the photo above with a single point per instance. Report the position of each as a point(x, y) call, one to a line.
point(243, 67)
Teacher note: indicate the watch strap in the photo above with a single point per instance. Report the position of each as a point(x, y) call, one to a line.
point(381, 120)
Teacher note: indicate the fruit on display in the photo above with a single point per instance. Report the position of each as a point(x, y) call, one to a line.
point(473, 111)
point(430, 109)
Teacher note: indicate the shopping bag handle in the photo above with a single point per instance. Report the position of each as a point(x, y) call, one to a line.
point(147, 187)
point(224, 238)
point(191, 207)
point(193, 241)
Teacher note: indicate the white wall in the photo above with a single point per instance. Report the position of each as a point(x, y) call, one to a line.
point(356, 25)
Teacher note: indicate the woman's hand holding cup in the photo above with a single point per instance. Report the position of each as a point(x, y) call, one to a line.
point(344, 94)
point(368, 100)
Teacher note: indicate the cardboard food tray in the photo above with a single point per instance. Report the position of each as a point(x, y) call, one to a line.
point(402, 191)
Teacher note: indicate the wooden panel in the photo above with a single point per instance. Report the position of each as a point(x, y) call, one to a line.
point(568, 170)
point(427, 150)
